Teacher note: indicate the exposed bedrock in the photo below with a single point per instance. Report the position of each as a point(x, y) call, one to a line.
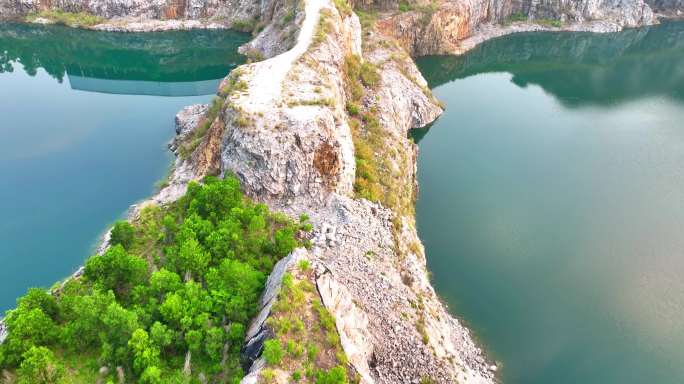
point(286, 135)
point(455, 26)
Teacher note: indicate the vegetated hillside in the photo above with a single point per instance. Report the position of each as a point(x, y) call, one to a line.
point(168, 301)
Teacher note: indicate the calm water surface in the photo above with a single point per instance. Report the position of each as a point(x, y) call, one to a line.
point(552, 203)
point(84, 122)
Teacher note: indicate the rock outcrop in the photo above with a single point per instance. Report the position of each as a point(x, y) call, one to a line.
point(455, 26)
point(669, 8)
point(284, 128)
point(3, 331)
point(286, 135)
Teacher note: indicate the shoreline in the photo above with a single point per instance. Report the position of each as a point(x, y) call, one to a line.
point(193, 168)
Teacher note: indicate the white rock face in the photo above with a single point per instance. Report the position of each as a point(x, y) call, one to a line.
point(3, 331)
point(351, 322)
point(287, 139)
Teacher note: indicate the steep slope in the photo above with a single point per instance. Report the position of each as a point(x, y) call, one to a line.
point(291, 137)
point(320, 128)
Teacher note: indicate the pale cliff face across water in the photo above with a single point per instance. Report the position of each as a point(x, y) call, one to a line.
point(551, 202)
point(85, 121)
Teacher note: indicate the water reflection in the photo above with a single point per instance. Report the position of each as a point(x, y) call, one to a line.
point(555, 228)
point(73, 161)
point(164, 64)
point(579, 69)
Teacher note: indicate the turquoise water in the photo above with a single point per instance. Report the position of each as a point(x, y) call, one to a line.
point(552, 202)
point(84, 122)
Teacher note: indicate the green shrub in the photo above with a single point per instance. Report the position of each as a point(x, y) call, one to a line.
point(336, 375)
point(304, 265)
point(273, 352)
point(72, 19)
point(245, 25)
point(39, 366)
point(312, 352)
point(122, 233)
point(369, 74)
point(352, 109)
point(343, 7)
point(294, 349)
point(289, 16)
point(516, 16)
point(555, 23)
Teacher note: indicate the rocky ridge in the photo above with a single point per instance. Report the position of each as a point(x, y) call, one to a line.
point(285, 133)
point(456, 26)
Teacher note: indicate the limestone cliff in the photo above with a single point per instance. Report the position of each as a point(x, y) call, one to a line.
point(320, 128)
point(291, 128)
point(287, 134)
point(455, 26)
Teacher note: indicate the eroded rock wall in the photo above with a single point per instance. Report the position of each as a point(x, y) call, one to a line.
point(668, 7)
point(444, 27)
point(159, 9)
point(287, 137)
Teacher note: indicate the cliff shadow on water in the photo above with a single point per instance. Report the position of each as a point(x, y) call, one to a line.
point(172, 63)
point(580, 68)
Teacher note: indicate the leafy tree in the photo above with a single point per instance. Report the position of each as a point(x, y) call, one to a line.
point(39, 298)
point(123, 233)
point(235, 288)
point(193, 338)
point(284, 242)
point(116, 270)
point(192, 258)
point(213, 344)
point(119, 325)
point(151, 375)
point(39, 367)
point(145, 353)
point(161, 335)
point(83, 315)
point(223, 243)
point(164, 281)
point(27, 328)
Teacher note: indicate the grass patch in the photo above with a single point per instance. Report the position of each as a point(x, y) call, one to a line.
point(323, 28)
point(194, 139)
point(376, 178)
point(71, 19)
point(516, 17)
point(554, 23)
point(306, 336)
point(519, 16)
point(246, 25)
point(343, 7)
point(233, 85)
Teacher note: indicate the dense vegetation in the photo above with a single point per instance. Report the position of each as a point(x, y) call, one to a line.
point(167, 302)
point(306, 346)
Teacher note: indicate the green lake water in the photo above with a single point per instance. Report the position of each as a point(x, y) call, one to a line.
point(552, 203)
point(84, 122)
